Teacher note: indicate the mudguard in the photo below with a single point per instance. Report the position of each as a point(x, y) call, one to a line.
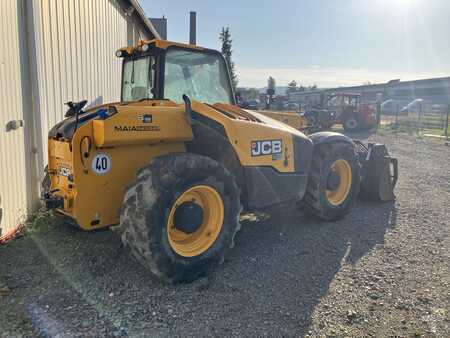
point(379, 172)
point(329, 137)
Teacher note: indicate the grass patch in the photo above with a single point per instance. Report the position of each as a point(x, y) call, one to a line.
point(411, 129)
point(403, 128)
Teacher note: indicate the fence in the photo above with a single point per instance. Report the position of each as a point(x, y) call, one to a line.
point(432, 119)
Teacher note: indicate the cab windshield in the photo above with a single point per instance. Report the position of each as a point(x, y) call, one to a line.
point(202, 76)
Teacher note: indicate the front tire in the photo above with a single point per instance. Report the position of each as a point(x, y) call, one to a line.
point(180, 217)
point(333, 182)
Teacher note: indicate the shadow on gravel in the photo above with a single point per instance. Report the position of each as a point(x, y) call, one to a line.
point(294, 260)
point(276, 275)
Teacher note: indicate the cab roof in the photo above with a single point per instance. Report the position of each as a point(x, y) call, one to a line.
point(163, 44)
point(345, 94)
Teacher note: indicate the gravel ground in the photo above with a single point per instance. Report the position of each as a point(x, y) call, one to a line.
point(382, 271)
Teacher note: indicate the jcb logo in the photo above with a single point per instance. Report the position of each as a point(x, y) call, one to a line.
point(266, 147)
point(63, 171)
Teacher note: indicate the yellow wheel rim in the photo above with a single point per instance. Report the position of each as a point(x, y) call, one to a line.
point(196, 243)
point(344, 171)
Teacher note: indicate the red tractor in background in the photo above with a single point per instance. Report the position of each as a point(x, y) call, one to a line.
point(341, 108)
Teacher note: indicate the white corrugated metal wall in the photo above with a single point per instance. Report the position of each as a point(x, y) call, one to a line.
point(13, 173)
point(75, 42)
point(51, 52)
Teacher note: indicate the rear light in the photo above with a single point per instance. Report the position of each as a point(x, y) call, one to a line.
point(121, 53)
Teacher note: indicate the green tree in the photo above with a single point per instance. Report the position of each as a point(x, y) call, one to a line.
point(248, 93)
point(271, 86)
point(292, 86)
point(252, 94)
point(227, 51)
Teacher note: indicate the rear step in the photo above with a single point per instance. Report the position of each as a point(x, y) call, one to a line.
point(379, 172)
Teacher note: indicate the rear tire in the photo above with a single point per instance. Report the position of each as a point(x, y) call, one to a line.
point(45, 183)
point(327, 126)
point(147, 216)
point(352, 123)
point(312, 119)
point(325, 197)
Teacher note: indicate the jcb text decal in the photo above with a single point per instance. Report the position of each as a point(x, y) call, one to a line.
point(266, 147)
point(64, 171)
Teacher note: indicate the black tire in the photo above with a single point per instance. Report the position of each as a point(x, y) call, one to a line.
point(352, 123)
point(146, 208)
point(312, 119)
point(316, 200)
point(327, 126)
point(45, 186)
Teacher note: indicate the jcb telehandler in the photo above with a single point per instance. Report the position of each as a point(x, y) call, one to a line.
point(176, 161)
point(335, 108)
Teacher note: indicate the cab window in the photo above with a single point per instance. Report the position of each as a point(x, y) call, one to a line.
point(137, 82)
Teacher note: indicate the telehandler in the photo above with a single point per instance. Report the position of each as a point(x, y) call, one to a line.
point(335, 108)
point(291, 118)
point(174, 163)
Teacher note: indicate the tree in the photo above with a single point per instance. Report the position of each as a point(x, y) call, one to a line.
point(227, 51)
point(251, 94)
point(271, 85)
point(292, 86)
point(313, 87)
point(248, 93)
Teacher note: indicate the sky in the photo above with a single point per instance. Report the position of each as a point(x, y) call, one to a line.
point(324, 42)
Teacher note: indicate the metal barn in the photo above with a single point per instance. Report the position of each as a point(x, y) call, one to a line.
point(51, 52)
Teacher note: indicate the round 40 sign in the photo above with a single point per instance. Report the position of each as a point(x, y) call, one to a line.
point(101, 164)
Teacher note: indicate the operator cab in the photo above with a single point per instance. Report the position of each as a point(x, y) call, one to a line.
point(158, 69)
point(343, 99)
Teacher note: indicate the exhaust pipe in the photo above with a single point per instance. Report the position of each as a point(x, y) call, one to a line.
point(193, 28)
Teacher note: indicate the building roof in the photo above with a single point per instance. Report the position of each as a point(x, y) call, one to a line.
point(443, 81)
point(133, 9)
